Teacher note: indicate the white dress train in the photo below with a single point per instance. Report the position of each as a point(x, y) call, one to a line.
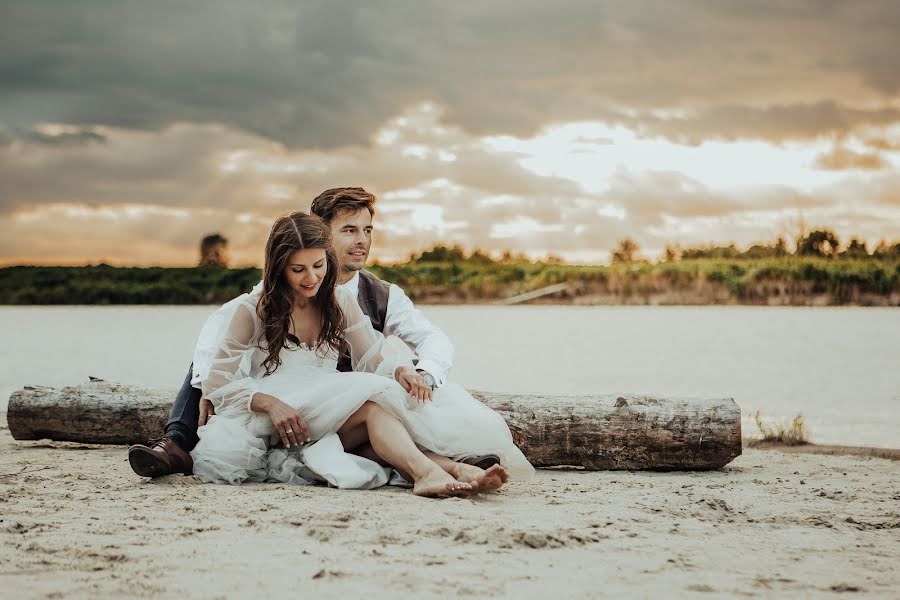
point(238, 445)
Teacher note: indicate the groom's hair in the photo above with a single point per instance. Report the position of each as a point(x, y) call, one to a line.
point(330, 202)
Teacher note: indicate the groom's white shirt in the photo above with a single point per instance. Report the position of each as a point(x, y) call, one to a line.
point(431, 345)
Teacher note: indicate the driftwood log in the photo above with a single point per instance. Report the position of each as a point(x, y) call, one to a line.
point(596, 432)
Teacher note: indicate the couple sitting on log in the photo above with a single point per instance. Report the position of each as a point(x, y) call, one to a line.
point(290, 382)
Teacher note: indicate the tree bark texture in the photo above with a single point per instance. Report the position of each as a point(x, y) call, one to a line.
point(593, 431)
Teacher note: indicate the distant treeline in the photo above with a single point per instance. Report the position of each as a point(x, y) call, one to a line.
point(786, 280)
point(820, 243)
point(819, 270)
point(103, 284)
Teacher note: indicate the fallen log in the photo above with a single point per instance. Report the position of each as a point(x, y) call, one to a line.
point(596, 432)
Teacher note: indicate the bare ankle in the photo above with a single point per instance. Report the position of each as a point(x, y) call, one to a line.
point(428, 471)
point(456, 470)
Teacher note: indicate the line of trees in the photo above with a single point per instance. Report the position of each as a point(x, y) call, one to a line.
point(456, 253)
point(821, 243)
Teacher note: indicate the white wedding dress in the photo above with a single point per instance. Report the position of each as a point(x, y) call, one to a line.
point(238, 445)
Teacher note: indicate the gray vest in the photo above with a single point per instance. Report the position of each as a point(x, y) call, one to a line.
point(373, 300)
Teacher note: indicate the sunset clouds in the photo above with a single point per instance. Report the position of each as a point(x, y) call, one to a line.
point(129, 130)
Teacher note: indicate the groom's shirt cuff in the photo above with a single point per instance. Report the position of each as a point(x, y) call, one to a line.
point(432, 367)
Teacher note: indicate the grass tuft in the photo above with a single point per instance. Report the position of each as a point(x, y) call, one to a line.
point(792, 434)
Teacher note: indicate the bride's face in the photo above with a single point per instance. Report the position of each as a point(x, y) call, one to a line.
point(305, 271)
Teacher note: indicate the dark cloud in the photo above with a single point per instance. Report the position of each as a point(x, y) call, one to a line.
point(327, 74)
point(774, 123)
point(64, 138)
point(178, 167)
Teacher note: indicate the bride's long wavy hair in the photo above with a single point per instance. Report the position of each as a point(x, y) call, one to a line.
point(296, 231)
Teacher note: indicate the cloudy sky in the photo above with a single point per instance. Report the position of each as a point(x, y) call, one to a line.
point(130, 129)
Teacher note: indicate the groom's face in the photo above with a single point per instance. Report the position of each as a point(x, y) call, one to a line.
point(351, 233)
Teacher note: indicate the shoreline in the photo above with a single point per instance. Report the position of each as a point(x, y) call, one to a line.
point(708, 294)
point(826, 449)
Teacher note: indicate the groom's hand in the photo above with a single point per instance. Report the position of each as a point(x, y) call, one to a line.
point(413, 383)
point(207, 410)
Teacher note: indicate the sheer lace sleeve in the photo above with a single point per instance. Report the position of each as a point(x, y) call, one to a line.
point(230, 384)
point(367, 352)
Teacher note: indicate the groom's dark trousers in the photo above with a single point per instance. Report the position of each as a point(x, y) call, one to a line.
point(182, 425)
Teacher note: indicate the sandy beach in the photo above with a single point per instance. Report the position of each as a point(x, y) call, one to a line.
point(77, 523)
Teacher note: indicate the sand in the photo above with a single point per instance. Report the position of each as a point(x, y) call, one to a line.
point(77, 523)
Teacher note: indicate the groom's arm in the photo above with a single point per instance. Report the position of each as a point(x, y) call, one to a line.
point(431, 345)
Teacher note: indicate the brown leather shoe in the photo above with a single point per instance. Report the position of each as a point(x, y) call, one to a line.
point(162, 457)
point(482, 462)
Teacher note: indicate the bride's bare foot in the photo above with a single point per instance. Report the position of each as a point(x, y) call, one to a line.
point(482, 480)
point(439, 484)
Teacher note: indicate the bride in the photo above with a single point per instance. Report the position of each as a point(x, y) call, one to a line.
point(284, 412)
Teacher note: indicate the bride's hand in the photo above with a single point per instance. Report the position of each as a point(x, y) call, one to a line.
point(290, 424)
point(207, 410)
point(413, 383)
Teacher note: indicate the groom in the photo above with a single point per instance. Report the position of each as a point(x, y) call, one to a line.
point(349, 212)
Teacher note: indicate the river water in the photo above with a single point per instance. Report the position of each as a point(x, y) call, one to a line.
point(839, 367)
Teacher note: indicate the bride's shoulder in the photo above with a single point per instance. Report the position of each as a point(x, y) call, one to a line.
point(244, 307)
point(250, 298)
point(245, 303)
